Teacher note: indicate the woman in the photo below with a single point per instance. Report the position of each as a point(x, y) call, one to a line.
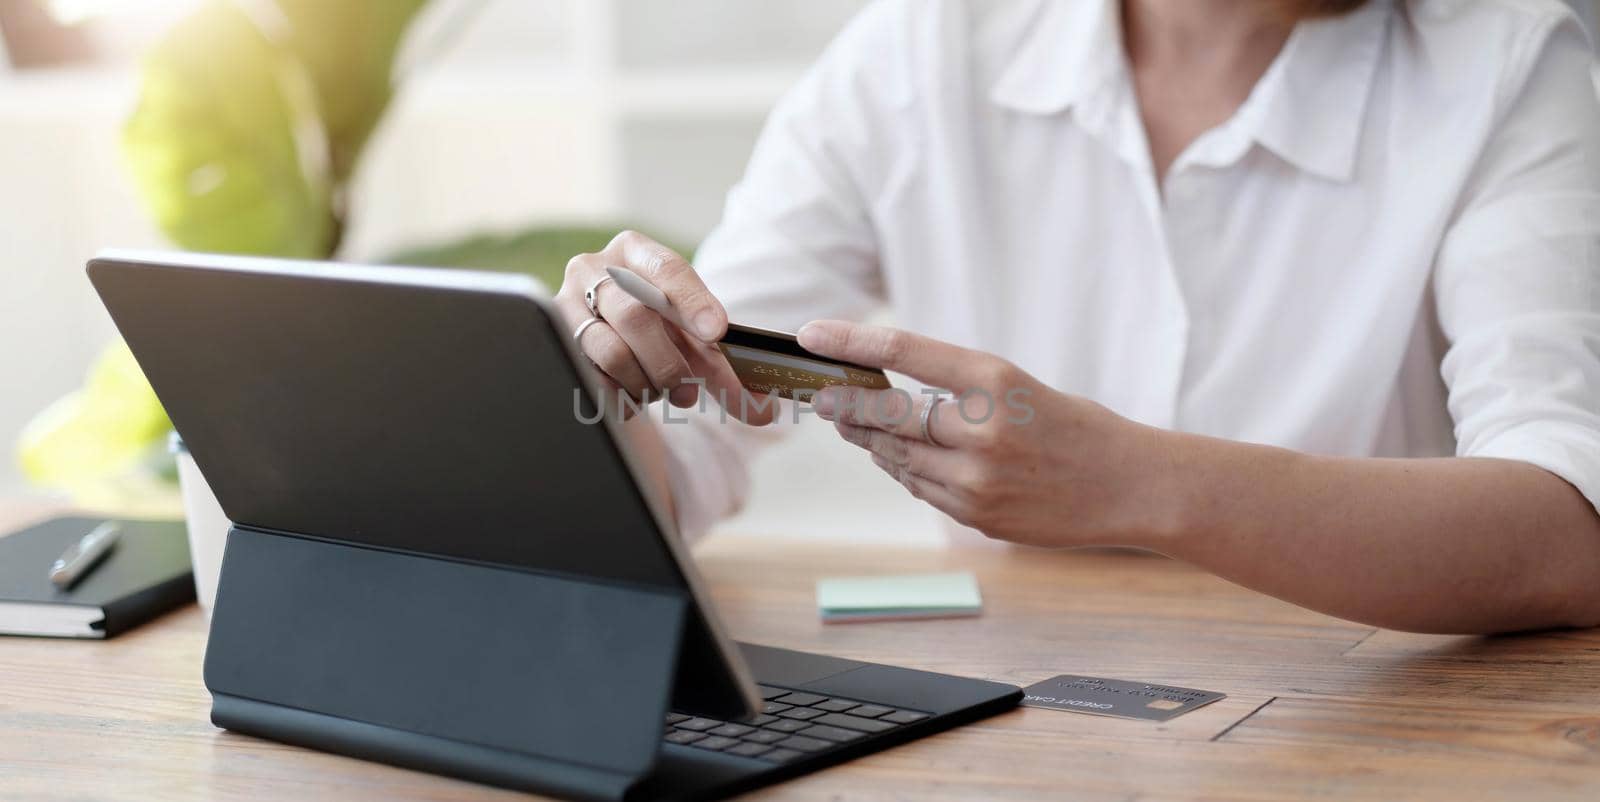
point(1303, 292)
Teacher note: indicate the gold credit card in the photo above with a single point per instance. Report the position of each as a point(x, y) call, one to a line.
point(773, 363)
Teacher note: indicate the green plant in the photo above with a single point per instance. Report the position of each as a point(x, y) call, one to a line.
point(540, 252)
point(104, 442)
point(250, 124)
point(249, 127)
point(250, 121)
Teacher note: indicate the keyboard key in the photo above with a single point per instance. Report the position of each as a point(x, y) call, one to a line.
point(826, 733)
point(870, 711)
point(730, 730)
point(684, 736)
point(747, 750)
point(801, 713)
point(698, 724)
point(836, 705)
point(805, 744)
point(801, 699)
point(782, 755)
point(765, 736)
point(774, 707)
point(850, 722)
point(904, 717)
point(763, 718)
point(674, 718)
point(714, 743)
point(787, 725)
point(769, 693)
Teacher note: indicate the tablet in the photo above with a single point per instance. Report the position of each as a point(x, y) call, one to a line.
point(418, 410)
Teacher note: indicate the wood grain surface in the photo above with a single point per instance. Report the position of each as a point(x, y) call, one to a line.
point(1316, 707)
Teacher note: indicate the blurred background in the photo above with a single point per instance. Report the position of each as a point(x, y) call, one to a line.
point(507, 114)
point(518, 131)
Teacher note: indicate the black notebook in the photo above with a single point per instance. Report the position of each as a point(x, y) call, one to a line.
point(145, 574)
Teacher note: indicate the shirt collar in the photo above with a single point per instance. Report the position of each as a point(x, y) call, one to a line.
point(1308, 108)
point(1075, 49)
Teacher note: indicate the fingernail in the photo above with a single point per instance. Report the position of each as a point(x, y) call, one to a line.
point(707, 325)
point(684, 395)
point(810, 336)
point(824, 402)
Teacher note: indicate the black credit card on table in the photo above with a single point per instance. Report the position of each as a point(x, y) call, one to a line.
point(1115, 697)
point(773, 363)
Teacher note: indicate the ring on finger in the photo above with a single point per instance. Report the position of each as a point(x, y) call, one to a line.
point(591, 297)
point(927, 419)
point(577, 336)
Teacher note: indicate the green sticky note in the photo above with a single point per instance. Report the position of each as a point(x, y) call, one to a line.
point(907, 596)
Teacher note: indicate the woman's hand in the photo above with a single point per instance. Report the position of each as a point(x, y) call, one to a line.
point(640, 353)
point(1414, 544)
point(1008, 456)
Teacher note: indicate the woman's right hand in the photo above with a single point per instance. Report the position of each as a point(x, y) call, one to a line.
point(640, 353)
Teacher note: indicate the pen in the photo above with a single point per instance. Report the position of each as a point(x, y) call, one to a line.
point(80, 558)
point(648, 294)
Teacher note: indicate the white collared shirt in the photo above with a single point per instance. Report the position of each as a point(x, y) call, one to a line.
point(1391, 249)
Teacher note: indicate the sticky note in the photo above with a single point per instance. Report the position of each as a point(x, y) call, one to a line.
point(898, 597)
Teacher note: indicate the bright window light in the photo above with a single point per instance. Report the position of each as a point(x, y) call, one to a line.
point(74, 12)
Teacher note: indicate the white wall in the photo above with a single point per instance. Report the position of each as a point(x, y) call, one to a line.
point(61, 197)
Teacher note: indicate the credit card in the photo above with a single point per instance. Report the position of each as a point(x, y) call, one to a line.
point(772, 362)
point(1115, 697)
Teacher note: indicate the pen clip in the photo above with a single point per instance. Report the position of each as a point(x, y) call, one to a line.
point(83, 555)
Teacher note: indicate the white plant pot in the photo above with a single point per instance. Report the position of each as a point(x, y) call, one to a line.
point(208, 526)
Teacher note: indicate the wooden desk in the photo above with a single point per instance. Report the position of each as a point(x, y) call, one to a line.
point(1316, 707)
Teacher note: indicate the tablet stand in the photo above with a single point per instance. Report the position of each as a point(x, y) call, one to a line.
point(528, 681)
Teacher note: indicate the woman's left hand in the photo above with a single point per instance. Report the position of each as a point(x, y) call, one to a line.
point(1003, 453)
